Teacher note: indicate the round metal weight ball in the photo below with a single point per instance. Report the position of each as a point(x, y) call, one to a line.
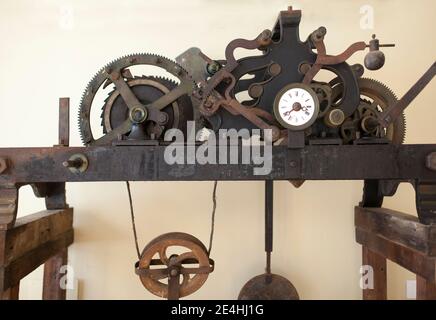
point(268, 287)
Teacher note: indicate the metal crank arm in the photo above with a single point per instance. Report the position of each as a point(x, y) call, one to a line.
point(254, 118)
point(152, 111)
point(393, 112)
point(126, 93)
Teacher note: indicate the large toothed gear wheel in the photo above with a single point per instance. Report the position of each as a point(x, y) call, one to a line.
point(380, 98)
point(139, 107)
point(174, 255)
point(147, 89)
point(375, 97)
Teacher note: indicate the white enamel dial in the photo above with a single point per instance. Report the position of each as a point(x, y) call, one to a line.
point(296, 107)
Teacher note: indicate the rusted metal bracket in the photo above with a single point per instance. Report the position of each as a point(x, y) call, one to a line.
point(375, 190)
point(425, 192)
point(53, 192)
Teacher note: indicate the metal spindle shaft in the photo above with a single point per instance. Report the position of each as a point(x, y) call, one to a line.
point(269, 199)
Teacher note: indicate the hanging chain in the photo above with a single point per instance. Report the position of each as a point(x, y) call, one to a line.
point(212, 227)
point(132, 215)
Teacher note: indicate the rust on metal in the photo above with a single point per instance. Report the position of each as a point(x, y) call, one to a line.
point(64, 122)
point(268, 287)
point(182, 280)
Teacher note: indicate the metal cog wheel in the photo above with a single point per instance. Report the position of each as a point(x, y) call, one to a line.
point(120, 65)
point(378, 97)
point(383, 97)
point(147, 89)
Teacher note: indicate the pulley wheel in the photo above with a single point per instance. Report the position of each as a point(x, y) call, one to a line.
point(268, 286)
point(174, 252)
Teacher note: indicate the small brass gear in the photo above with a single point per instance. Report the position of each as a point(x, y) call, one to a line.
point(374, 97)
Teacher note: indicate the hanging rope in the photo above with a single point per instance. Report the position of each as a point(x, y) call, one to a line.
point(212, 227)
point(132, 215)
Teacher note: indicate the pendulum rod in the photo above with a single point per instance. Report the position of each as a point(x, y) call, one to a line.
point(269, 196)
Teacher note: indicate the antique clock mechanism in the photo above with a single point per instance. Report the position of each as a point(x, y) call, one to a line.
point(296, 106)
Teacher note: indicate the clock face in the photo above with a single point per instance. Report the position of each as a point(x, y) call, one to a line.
point(296, 107)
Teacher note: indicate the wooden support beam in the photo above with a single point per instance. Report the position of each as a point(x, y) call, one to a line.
point(11, 293)
point(397, 227)
point(425, 290)
point(34, 230)
point(379, 281)
point(34, 239)
point(24, 265)
point(53, 286)
point(388, 234)
point(410, 259)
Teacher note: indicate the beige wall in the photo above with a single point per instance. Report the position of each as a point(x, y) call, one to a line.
point(42, 58)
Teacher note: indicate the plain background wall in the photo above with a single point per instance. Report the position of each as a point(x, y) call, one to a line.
point(52, 48)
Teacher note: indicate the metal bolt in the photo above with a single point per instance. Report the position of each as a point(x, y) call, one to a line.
point(77, 163)
point(138, 114)
point(274, 69)
point(430, 162)
point(319, 34)
point(213, 67)
point(304, 68)
point(3, 165)
point(174, 272)
point(73, 163)
point(322, 31)
point(255, 90)
point(162, 118)
point(266, 34)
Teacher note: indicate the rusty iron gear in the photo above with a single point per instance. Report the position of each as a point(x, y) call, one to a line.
point(375, 97)
point(147, 89)
point(114, 72)
point(152, 278)
point(383, 97)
